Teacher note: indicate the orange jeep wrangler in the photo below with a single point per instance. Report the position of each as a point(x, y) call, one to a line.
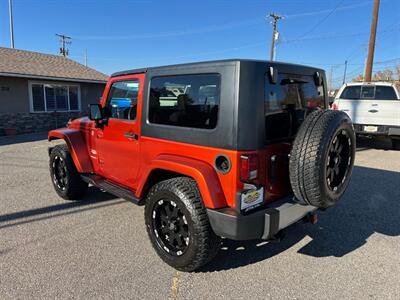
point(239, 149)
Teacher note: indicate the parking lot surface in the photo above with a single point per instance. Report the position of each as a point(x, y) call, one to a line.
point(98, 248)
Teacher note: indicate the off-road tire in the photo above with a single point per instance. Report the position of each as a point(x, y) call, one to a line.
point(203, 244)
point(311, 155)
point(75, 188)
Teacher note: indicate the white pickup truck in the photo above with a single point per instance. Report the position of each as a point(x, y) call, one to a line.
point(374, 108)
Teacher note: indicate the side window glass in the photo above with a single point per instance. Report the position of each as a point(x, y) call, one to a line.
point(122, 100)
point(185, 100)
point(385, 93)
point(351, 92)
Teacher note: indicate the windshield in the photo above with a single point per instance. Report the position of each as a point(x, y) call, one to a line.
point(371, 92)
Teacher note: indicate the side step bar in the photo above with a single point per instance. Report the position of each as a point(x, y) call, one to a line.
point(111, 187)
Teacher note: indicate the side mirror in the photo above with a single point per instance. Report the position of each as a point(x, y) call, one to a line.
point(95, 112)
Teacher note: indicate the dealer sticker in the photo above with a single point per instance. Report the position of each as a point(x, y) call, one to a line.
point(252, 198)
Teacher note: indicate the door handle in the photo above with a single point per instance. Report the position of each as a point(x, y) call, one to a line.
point(373, 111)
point(131, 135)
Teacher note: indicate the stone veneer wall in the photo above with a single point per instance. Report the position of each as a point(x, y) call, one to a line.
point(36, 122)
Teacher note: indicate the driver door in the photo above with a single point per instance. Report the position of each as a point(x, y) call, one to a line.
point(118, 141)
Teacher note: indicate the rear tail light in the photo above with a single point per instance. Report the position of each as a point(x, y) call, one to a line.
point(335, 106)
point(248, 167)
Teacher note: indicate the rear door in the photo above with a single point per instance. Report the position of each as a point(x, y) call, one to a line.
point(371, 104)
point(118, 141)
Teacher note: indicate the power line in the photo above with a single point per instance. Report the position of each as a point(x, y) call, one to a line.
point(364, 45)
point(358, 70)
point(356, 52)
point(323, 19)
point(213, 28)
point(307, 14)
point(327, 37)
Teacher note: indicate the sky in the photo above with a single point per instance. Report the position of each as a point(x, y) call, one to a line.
point(125, 34)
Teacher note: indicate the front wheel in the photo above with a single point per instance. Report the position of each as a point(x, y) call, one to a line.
point(178, 226)
point(66, 179)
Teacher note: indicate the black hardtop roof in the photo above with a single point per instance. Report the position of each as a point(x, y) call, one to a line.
point(223, 61)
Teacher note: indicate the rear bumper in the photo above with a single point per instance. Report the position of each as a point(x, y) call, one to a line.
point(263, 224)
point(383, 130)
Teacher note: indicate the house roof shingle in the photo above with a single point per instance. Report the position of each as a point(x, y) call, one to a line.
point(21, 63)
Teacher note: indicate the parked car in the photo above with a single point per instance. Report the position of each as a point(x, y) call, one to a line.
point(374, 108)
point(249, 150)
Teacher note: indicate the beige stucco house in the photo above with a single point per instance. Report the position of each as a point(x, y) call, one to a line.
point(40, 91)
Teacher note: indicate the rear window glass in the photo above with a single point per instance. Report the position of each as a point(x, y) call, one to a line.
point(185, 100)
point(294, 91)
point(287, 102)
point(376, 92)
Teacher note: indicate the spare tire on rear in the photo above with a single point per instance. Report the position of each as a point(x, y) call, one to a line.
point(322, 158)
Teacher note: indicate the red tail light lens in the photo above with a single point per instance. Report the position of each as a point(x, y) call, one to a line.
point(248, 167)
point(335, 106)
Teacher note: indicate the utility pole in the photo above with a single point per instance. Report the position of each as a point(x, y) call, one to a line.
point(372, 38)
point(345, 71)
point(274, 34)
point(11, 23)
point(85, 57)
point(331, 79)
point(64, 40)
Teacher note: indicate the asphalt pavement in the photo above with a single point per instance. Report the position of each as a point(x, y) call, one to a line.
point(98, 248)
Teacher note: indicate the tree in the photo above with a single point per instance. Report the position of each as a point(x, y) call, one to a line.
point(388, 74)
point(385, 75)
point(397, 71)
point(360, 77)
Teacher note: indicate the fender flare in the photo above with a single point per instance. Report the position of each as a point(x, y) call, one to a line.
point(204, 175)
point(77, 147)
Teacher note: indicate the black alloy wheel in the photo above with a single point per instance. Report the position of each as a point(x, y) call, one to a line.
point(178, 226)
point(66, 179)
point(60, 178)
point(170, 227)
point(339, 160)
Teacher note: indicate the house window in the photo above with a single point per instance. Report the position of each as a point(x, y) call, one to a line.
point(54, 97)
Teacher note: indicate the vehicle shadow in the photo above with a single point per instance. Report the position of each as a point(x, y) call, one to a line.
point(22, 138)
point(365, 143)
point(371, 205)
point(94, 199)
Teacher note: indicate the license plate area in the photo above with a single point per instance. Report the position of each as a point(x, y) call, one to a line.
point(371, 128)
point(251, 199)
